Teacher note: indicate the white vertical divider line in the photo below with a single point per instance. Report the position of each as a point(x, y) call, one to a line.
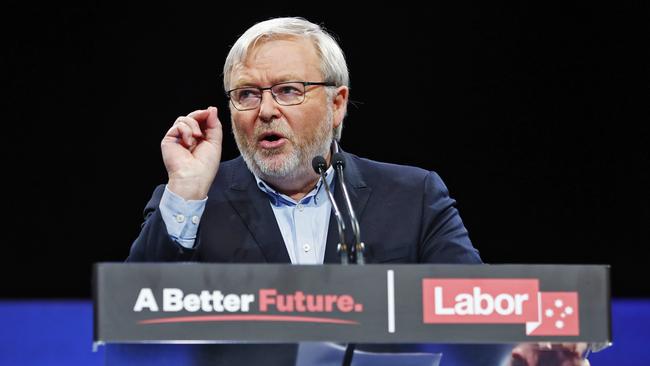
point(391, 300)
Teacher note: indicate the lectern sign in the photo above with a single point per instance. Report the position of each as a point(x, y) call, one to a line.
point(372, 303)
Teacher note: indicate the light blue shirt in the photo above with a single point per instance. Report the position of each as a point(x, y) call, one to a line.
point(303, 223)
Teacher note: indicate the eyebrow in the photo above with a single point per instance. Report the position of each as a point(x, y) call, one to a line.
point(244, 83)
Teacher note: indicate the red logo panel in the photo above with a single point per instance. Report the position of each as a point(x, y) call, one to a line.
point(500, 301)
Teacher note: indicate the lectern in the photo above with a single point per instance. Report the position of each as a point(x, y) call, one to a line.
point(207, 314)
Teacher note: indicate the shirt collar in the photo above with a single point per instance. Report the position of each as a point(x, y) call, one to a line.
point(314, 196)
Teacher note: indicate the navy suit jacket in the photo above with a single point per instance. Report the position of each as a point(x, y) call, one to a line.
point(405, 216)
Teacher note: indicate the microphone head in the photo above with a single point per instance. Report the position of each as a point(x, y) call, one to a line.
point(337, 159)
point(319, 164)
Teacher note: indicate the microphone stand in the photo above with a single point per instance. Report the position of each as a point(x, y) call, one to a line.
point(319, 164)
point(356, 252)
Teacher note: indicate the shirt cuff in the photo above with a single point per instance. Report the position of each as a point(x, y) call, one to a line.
point(181, 217)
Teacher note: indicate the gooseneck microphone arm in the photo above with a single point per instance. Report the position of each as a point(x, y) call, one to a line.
point(358, 248)
point(320, 166)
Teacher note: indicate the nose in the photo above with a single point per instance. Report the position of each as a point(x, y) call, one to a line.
point(268, 107)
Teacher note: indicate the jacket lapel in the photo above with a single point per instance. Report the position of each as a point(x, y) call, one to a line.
point(253, 207)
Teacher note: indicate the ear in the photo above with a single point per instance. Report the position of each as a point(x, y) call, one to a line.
point(340, 104)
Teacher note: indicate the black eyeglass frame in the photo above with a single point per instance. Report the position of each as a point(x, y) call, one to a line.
point(270, 88)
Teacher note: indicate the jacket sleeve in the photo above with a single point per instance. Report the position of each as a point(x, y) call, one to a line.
point(444, 238)
point(154, 243)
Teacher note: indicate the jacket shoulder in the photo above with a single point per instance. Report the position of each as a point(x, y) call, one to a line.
point(390, 174)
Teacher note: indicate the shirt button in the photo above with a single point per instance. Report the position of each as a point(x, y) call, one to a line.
point(300, 207)
point(195, 220)
point(180, 218)
point(306, 247)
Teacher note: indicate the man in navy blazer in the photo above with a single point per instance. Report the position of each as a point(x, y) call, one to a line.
point(245, 210)
point(287, 81)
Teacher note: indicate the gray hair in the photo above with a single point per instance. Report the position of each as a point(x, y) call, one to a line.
point(333, 65)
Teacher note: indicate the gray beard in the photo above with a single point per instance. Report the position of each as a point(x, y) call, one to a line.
point(298, 163)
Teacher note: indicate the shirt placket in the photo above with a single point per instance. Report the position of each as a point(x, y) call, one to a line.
point(304, 245)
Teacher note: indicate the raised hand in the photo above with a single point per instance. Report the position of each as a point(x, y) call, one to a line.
point(191, 151)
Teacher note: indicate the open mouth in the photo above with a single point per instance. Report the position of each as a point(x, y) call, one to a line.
point(270, 140)
point(271, 137)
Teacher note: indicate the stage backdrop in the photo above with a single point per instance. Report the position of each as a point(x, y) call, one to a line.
point(535, 115)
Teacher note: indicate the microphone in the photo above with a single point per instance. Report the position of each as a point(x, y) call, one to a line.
point(320, 166)
point(358, 248)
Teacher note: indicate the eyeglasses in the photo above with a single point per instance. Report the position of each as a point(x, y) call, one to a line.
point(286, 93)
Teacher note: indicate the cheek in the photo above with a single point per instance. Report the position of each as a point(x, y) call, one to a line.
point(243, 124)
point(310, 121)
